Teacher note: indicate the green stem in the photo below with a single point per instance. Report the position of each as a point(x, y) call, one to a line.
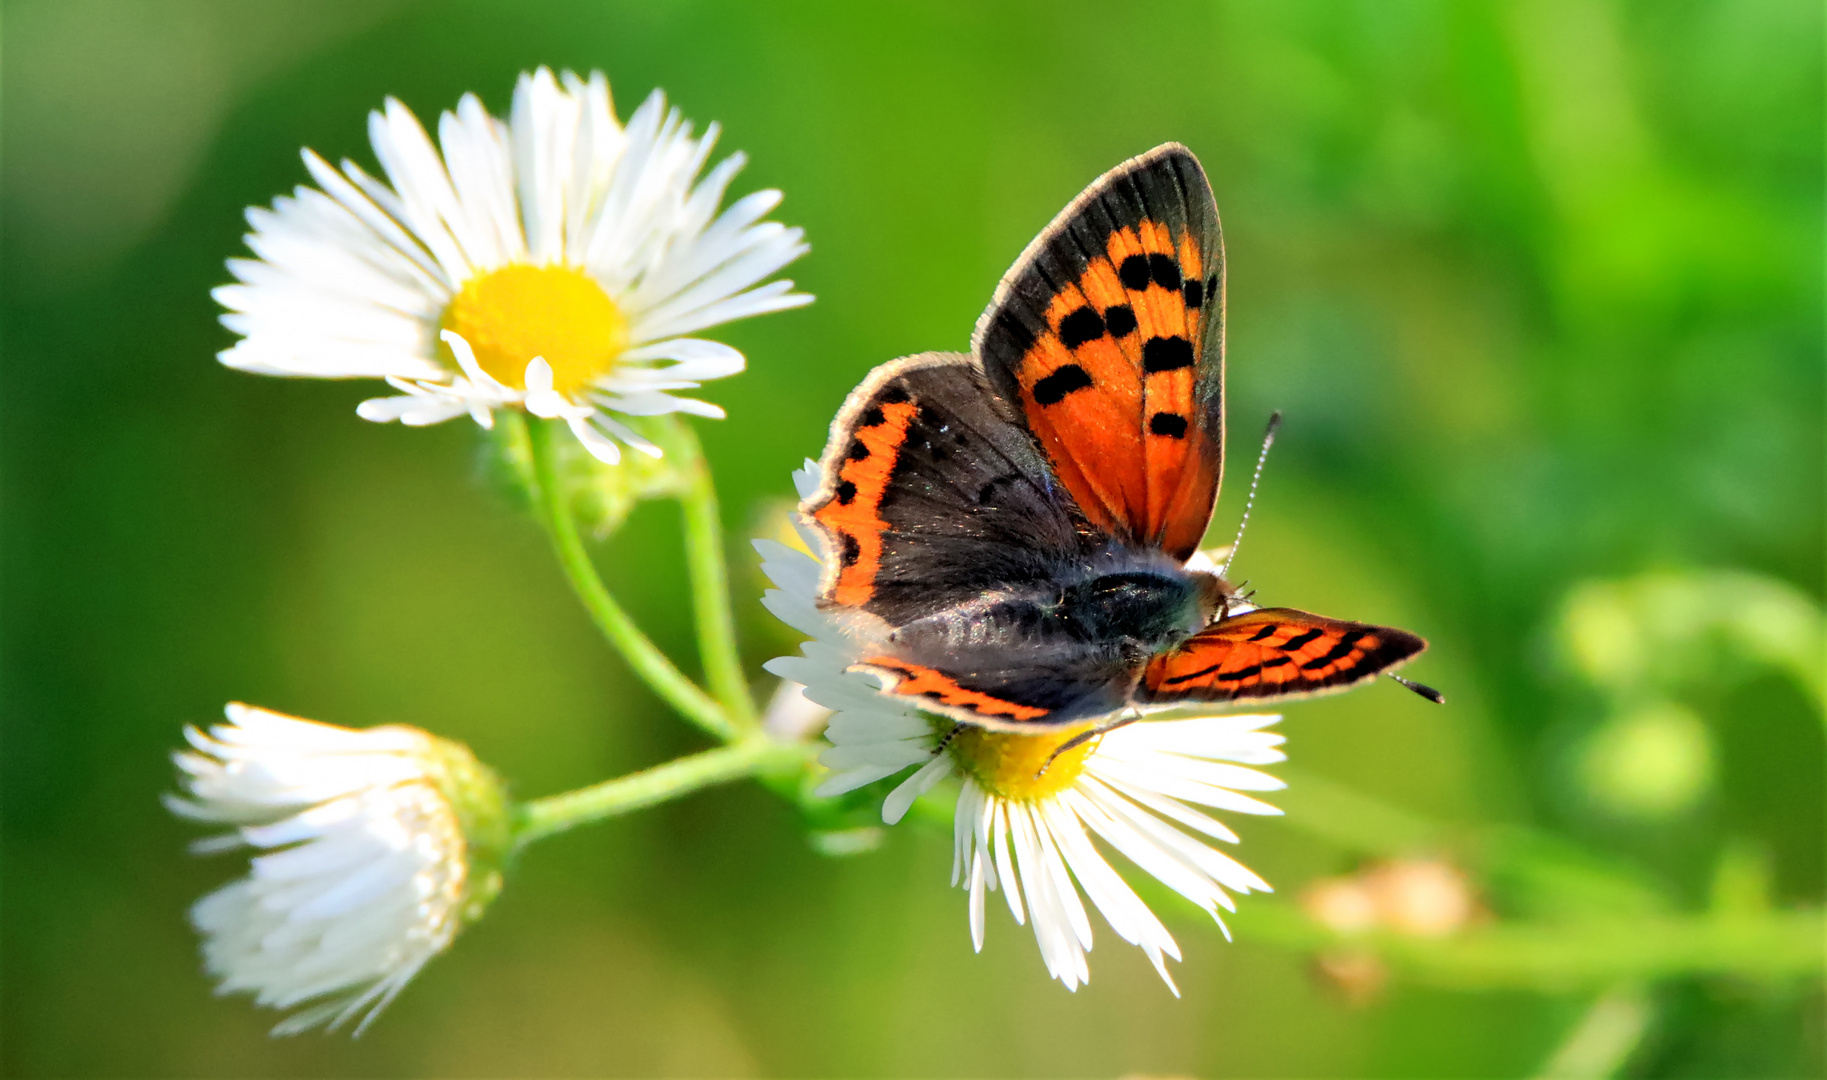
point(558, 813)
point(711, 591)
point(1590, 952)
point(554, 509)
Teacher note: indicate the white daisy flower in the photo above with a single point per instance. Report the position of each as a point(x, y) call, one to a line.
point(1022, 828)
point(381, 845)
point(555, 261)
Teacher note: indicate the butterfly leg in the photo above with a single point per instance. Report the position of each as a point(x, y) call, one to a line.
point(1129, 717)
point(946, 739)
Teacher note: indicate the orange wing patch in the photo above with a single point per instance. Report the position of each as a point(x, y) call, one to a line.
point(1110, 392)
point(1183, 462)
point(853, 514)
point(1275, 652)
point(914, 680)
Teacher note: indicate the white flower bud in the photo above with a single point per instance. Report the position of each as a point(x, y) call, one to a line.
point(379, 846)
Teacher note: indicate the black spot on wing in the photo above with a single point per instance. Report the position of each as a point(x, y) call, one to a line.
point(1191, 675)
point(1164, 270)
point(1171, 425)
point(1266, 631)
point(1166, 354)
point(1120, 319)
point(1065, 379)
point(1346, 646)
point(1298, 640)
point(988, 490)
point(858, 451)
point(872, 416)
point(846, 492)
point(1195, 294)
point(851, 549)
point(1134, 273)
point(1081, 326)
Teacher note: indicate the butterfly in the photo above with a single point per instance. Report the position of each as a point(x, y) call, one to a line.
point(1010, 530)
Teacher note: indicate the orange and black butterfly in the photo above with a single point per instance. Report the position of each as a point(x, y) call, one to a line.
point(1009, 530)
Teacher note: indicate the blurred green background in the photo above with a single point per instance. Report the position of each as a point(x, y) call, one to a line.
point(1538, 286)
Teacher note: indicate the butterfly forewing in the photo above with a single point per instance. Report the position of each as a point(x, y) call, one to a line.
point(1108, 335)
point(1275, 653)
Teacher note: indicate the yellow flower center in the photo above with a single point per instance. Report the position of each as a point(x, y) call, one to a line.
point(1010, 765)
point(513, 314)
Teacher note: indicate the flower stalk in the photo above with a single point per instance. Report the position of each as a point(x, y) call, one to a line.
point(730, 715)
point(555, 514)
point(541, 818)
point(705, 559)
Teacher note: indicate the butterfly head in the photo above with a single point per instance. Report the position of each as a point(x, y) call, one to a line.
point(1214, 594)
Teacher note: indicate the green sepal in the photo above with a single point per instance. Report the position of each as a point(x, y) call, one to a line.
point(601, 495)
point(478, 798)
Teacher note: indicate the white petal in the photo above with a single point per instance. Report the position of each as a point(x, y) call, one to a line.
point(698, 360)
point(626, 434)
point(466, 359)
point(385, 410)
point(601, 446)
point(902, 797)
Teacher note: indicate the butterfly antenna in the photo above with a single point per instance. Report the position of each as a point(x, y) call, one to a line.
point(1423, 689)
point(1268, 440)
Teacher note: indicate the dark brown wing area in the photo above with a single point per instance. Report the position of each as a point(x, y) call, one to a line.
point(933, 495)
point(1108, 336)
point(943, 692)
point(1275, 653)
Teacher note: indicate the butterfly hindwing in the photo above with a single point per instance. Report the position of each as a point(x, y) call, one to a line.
point(933, 495)
point(1108, 337)
point(908, 679)
point(1275, 653)
point(1027, 693)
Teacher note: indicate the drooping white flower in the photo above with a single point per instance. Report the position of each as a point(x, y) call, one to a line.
point(1025, 819)
point(379, 845)
point(554, 261)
